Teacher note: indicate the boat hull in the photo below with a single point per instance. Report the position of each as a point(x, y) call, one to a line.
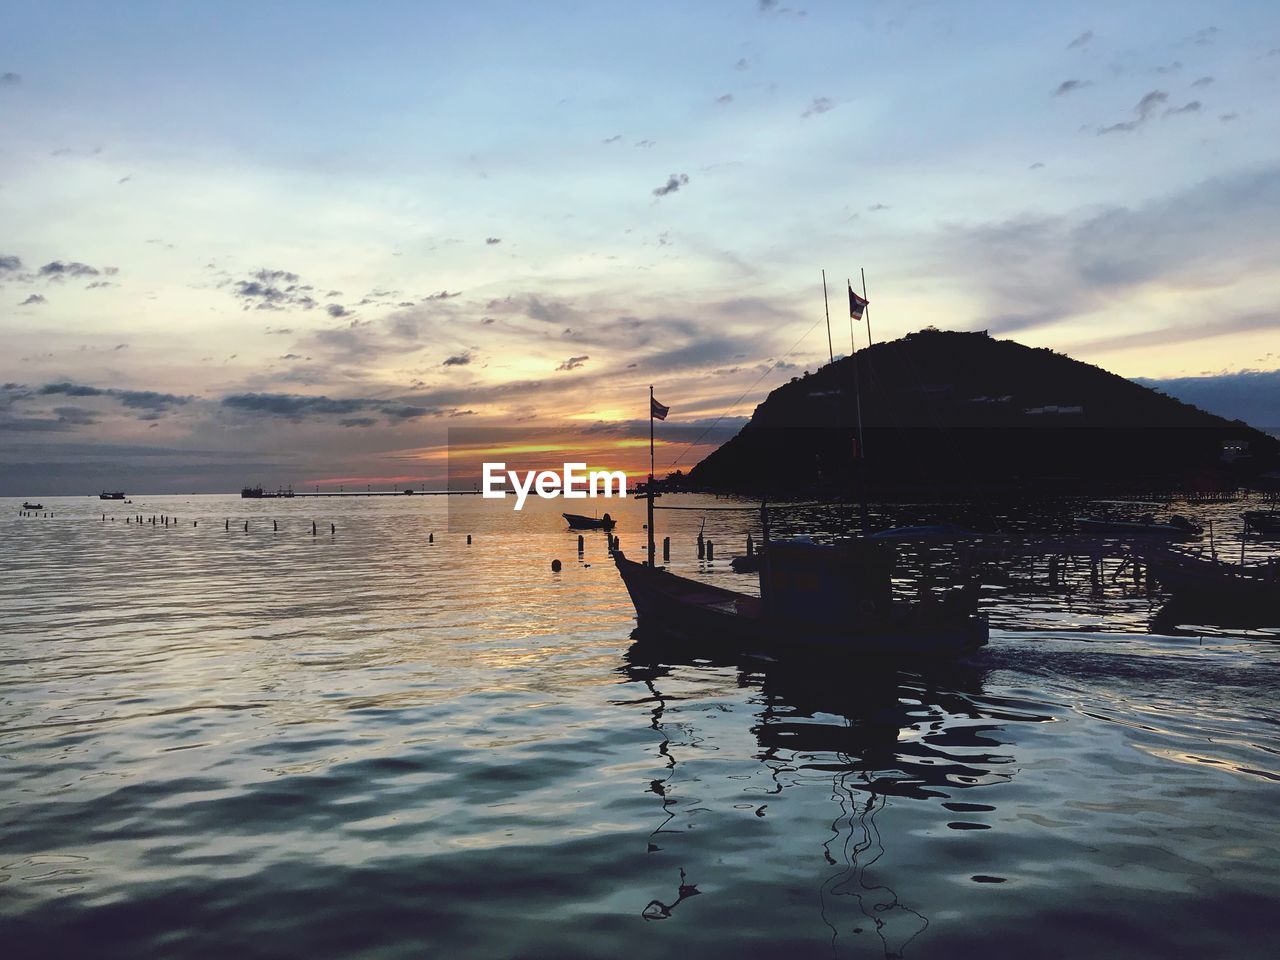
point(577, 522)
point(673, 607)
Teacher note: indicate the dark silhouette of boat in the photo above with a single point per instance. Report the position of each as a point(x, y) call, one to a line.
point(118, 495)
point(32, 506)
point(1175, 528)
point(1265, 522)
point(814, 598)
point(1211, 583)
point(577, 522)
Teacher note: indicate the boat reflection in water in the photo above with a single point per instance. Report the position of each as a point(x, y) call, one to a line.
point(876, 735)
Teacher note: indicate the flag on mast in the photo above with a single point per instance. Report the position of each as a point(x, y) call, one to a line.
point(657, 410)
point(856, 304)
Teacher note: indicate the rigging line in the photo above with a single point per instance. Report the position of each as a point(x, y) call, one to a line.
point(693, 443)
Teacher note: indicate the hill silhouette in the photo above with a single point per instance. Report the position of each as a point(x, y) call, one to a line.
point(965, 414)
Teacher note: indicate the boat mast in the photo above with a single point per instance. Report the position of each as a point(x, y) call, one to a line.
point(649, 487)
point(831, 353)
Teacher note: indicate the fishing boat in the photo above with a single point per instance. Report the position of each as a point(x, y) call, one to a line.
point(577, 522)
point(1175, 528)
point(118, 495)
point(32, 506)
point(1264, 522)
point(1209, 580)
point(826, 599)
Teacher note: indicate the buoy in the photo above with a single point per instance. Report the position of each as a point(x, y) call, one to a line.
point(431, 538)
point(555, 566)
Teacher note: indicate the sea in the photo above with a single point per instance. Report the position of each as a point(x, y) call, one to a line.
point(224, 735)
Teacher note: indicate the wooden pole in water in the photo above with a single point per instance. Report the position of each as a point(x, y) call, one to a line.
point(581, 544)
point(711, 551)
point(666, 549)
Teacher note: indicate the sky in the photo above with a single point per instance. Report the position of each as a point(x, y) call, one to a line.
point(297, 243)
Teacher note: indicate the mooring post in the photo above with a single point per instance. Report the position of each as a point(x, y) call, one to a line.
point(666, 549)
point(702, 547)
point(313, 528)
point(555, 566)
point(431, 538)
point(581, 544)
point(711, 551)
point(333, 528)
point(468, 539)
point(751, 546)
point(246, 526)
point(226, 525)
point(275, 526)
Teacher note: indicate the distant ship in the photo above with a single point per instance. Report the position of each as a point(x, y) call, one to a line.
point(118, 495)
point(257, 493)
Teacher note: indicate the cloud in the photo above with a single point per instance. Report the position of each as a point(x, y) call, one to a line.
point(1144, 111)
point(725, 98)
point(1202, 82)
point(1203, 37)
point(1040, 270)
point(1038, 165)
point(614, 139)
point(1192, 107)
point(1080, 41)
point(10, 264)
point(1228, 117)
point(336, 310)
point(457, 360)
point(742, 64)
point(674, 183)
point(135, 399)
point(76, 416)
point(573, 363)
point(57, 270)
point(442, 295)
point(9, 79)
point(1222, 326)
point(357, 421)
point(492, 241)
point(1067, 86)
point(819, 105)
point(876, 207)
point(32, 300)
point(274, 290)
point(297, 407)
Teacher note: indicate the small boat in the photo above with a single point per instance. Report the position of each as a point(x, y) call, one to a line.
point(1175, 528)
point(32, 506)
point(827, 599)
point(118, 495)
point(577, 522)
point(1265, 522)
point(1210, 581)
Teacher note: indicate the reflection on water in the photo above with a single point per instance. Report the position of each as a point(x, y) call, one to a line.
point(367, 743)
